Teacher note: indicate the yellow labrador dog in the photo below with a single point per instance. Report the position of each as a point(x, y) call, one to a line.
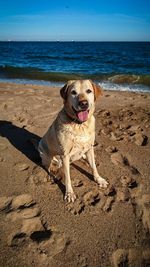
point(72, 134)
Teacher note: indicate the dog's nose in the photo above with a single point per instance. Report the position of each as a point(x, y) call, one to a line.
point(83, 104)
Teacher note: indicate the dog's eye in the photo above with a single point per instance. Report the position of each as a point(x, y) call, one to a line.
point(73, 92)
point(89, 91)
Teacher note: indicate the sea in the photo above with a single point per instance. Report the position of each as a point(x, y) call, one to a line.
point(123, 66)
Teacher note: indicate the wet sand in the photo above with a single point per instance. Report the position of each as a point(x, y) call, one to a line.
point(102, 228)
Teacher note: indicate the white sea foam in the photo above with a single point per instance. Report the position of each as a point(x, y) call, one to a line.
point(124, 87)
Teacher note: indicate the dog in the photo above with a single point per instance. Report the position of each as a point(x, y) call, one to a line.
point(71, 136)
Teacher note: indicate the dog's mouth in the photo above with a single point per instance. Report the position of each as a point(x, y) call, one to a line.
point(82, 115)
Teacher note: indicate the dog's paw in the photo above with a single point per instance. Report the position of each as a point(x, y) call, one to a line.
point(70, 197)
point(101, 182)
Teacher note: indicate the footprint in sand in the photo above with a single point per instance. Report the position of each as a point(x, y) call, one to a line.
point(141, 139)
point(132, 190)
point(90, 198)
point(124, 192)
point(23, 212)
point(75, 208)
point(21, 166)
point(111, 149)
point(56, 244)
point(121, 161)
point(128, 189)
point(39, 176)
point(24, 119)
point(107, 198)
point(23, 209)
point(132, 257)
point(95, 199)
point(143, 202)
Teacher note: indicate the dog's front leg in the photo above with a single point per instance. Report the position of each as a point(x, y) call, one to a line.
point(69, 195)
point(91, 159)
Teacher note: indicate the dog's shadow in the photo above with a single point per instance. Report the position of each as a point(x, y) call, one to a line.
point(21, 139)
point(84, 172)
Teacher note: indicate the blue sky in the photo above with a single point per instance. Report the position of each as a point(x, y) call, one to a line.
point(93, 20)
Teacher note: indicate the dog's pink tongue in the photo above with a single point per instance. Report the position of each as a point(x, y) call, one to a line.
point(83, 115)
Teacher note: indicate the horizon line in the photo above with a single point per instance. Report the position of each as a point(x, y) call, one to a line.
point(72, 41)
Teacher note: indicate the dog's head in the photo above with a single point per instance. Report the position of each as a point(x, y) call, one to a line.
point(79, 98)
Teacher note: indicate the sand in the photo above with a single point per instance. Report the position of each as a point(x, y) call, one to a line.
point(102, 228)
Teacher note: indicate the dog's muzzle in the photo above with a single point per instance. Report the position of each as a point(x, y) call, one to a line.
point(83, 111)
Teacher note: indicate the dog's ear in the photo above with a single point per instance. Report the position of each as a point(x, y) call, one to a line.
point(64, 89)
point(97, 90)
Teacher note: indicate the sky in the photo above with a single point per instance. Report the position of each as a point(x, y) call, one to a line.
point(78, 20)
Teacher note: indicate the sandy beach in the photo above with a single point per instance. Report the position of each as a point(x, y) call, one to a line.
point(102, 228)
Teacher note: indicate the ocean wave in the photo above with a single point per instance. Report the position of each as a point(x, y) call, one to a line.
point(68, 57)
point(124, 78)
point(37, 74)
point(13, 72)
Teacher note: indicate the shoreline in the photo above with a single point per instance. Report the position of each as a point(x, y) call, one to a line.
point(107, 86)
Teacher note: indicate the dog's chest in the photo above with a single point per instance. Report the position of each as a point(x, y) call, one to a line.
point(80, 138)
